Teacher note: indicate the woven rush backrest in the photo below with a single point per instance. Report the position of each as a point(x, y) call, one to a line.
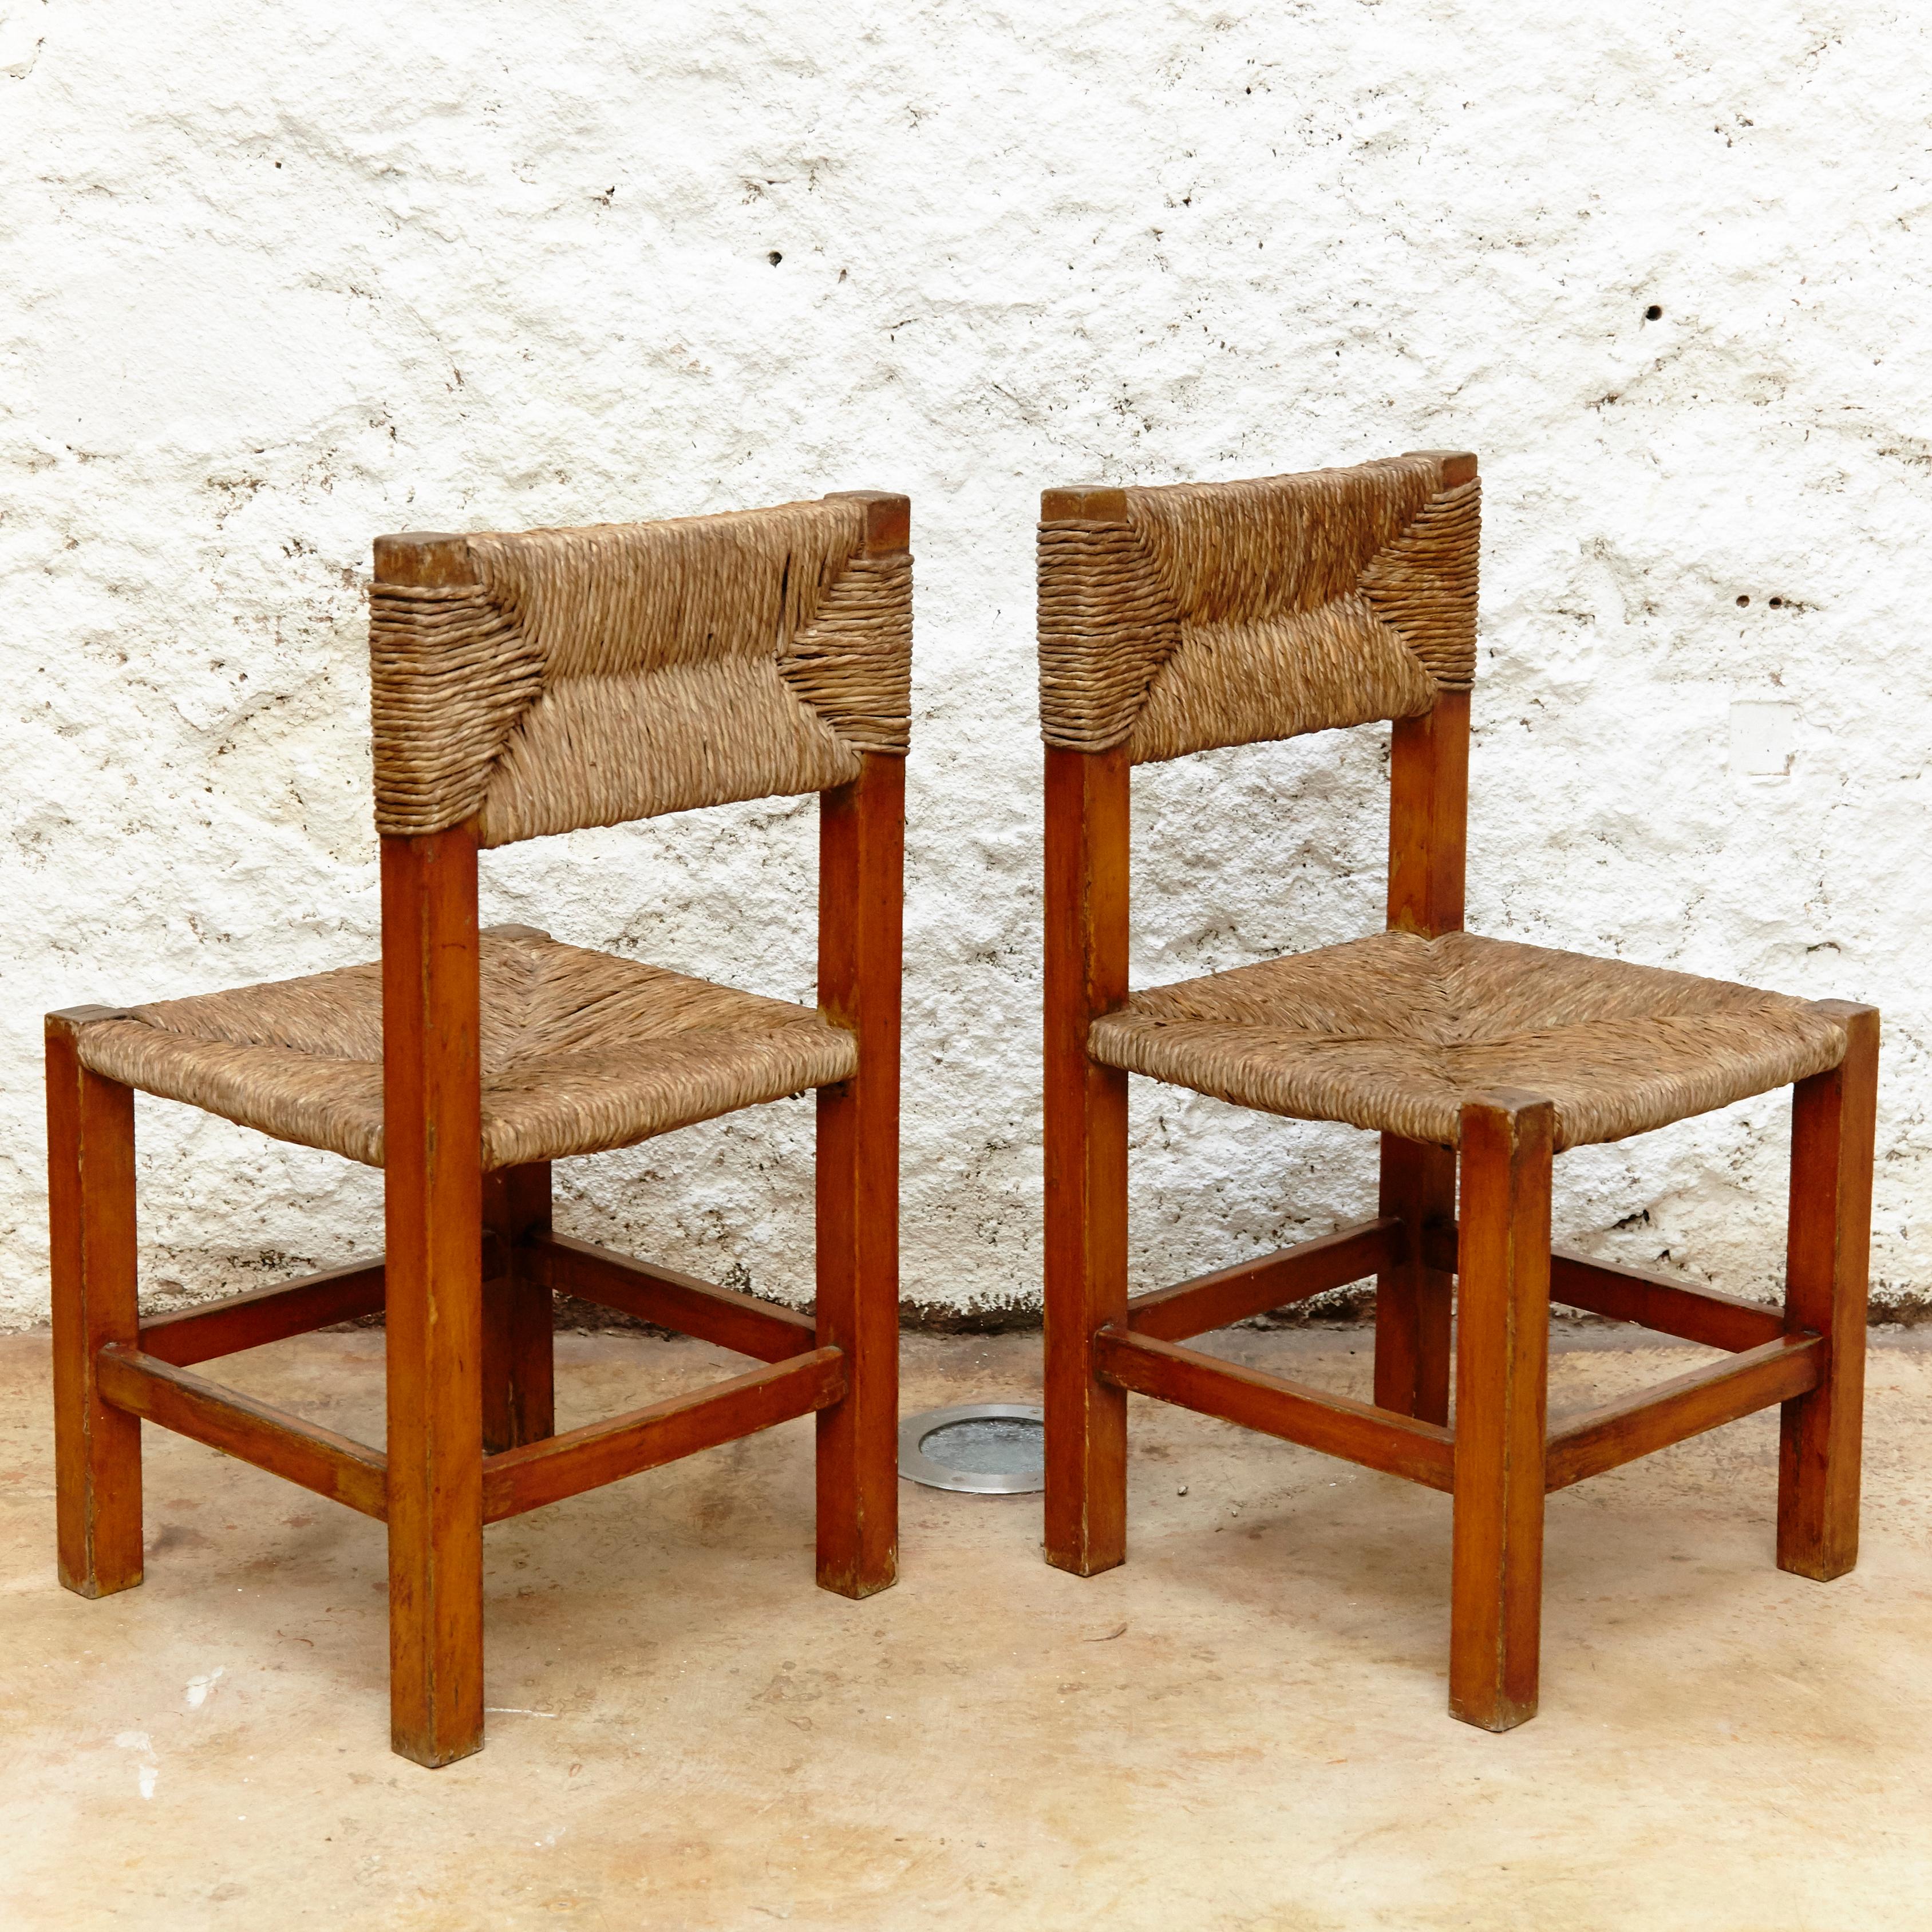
point(591, 676)
point(1225, 613)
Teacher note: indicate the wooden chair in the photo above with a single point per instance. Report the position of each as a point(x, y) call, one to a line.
point(1175, 619)
point(526, 685)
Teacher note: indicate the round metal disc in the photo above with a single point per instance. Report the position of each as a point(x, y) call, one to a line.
point(922, 1459)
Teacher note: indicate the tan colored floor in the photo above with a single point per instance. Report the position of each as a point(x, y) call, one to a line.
point(1241, 1728)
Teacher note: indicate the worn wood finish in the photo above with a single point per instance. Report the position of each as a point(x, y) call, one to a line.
point(1834, 1126)
point(1677, 1308)
point(432, 1208)
point(1502, 1344)
point(465, 1282)
point(1654, 1301)
point(661, 1295)
point(433, 1213)
point(604, 1452)
point(1250, 1287)
point(91, 1212)
point(1428, 813)
point(1686, 1406)
point(1086, 1151)
point(1429, 808)
point(332, 1465)
point(519, 1372)
point(265, 1315)
point(1274, 1405)
point(1499, 1266)
point(861, 924)
point(1414, 1297)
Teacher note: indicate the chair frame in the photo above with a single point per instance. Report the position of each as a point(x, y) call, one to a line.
point(469, 1265)
point(1503, 1455)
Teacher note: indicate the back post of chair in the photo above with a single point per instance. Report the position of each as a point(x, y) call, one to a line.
point(1429, 815)
point(861, 863)
point(433, 1193)
point(1087, 836)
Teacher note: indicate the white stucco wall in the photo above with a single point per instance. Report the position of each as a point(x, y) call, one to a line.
point(277, 279)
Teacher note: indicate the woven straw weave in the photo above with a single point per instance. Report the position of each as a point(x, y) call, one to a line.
point(591, 676)
point(581, 1052)
point(1394, 1033)
point(1225, 613)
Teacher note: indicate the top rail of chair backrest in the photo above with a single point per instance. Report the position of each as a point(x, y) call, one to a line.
point(549, 679)
point(1177, 619)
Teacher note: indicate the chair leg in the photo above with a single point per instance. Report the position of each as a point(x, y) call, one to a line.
point(1502, 1344)
point(432, 1216)
point(1412, 1300)
point(519, 1355)
point(434, 1325)
point(1088, 807)
point(1086, 1288)
point(1833, 1129)
point(91, 1201)
point(858, 1313)
point(862, 855)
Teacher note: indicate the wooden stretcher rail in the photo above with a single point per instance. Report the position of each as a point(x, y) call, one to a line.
point(1672, 1411)
point(1653, 1301)
point(1670, 1307)
point(1356, 1431)
point(265, 1315)
point(1290, 1274)
point(663, 1296)
point(526, 1478)
point(251, 1431)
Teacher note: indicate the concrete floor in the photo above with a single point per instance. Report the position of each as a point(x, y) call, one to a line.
point(1242, 1728)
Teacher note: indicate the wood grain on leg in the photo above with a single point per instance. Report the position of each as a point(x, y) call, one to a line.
point(519, 1356)
point(1412, 1299)
point(1086, 1132)
point(1833, 1129)
point(90, 1204)
point(862, 828)
point(1428, 813)
point(861, 923)
point(1428, 809)
point(1502, 1346)
point(433, 1194)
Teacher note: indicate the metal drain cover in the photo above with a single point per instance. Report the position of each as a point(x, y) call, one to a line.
point(988, 1448)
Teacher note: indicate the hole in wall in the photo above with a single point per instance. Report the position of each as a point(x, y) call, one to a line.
point(1654, 312)
point(775, 258)
point(1742, 601)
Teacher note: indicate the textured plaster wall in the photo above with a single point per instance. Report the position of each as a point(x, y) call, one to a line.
point(277, 279)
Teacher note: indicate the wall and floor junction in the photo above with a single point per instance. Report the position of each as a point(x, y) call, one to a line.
point(281, 280)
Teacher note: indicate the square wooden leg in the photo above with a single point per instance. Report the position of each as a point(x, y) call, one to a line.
point(1086, 1290)
point(433, 1212)
point(1413, 1301)
point(1502, 1346)
point(434, 1335)
point(91, 1203)
point(1088, 804)
point(858, 1313)
point(1833, 1129)
point(861, 862)
point(519, 1353)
